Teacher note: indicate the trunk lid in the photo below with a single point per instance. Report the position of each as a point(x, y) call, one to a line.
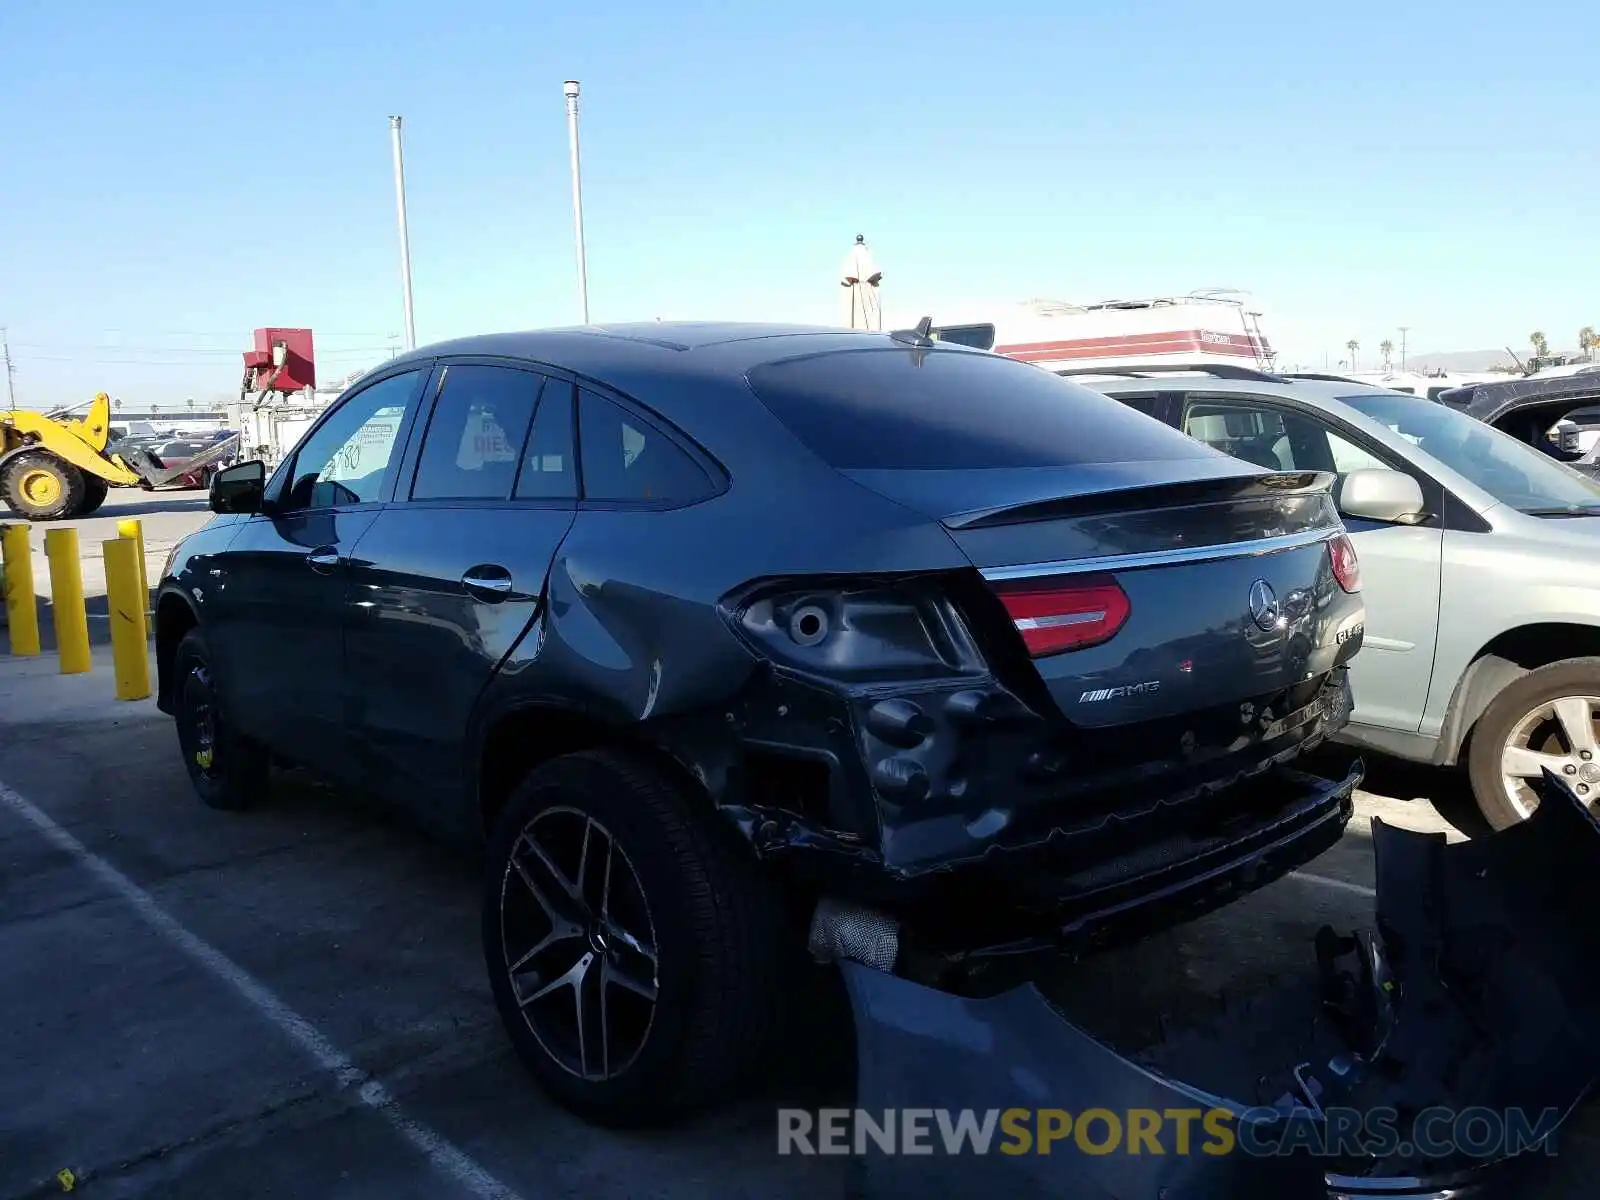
point(1173, 595)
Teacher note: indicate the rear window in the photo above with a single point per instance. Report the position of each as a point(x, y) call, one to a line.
point(944, 410)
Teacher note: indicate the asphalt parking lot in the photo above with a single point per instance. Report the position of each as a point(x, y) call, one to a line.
point(291, 1001)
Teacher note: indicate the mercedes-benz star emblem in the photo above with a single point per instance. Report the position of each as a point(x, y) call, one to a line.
point(1264, 604)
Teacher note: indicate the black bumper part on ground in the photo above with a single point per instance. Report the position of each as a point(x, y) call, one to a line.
point(1479, 992)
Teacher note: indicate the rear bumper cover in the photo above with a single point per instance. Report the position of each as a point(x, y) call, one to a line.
point(1479, 994)
point(992, 874)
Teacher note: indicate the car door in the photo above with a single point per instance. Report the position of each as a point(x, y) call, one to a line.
point(1400, 564)
point(451, 574)
point(275, 617)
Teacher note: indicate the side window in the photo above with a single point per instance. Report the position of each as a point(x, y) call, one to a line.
point(346, 459)
point(475, 434)
point(1151, 404)
point(1347, 456)
point(625, 459)
point(548, 471)
point(1256, 435)
point(1274, 438)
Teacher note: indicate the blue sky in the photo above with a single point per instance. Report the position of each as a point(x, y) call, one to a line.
point(174, 174)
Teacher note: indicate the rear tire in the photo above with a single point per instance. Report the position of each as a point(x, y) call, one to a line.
point(709, 941)
point(227, 769)
point(1523, 723)
point(41, 486)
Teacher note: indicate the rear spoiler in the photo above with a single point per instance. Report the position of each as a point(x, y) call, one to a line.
point(1275, 485)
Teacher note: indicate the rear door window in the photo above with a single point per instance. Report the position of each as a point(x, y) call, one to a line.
point(476, 433)
point(950, 410)
point(1159, 405)
point(1275, 438)
point(548, 471)
point(628, 460)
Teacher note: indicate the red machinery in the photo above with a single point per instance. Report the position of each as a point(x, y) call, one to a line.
point(283, 361)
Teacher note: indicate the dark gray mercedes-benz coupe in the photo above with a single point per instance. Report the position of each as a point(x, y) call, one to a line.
point(727, 639)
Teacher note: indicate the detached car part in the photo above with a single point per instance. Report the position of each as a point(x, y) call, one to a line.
point(1476, 990)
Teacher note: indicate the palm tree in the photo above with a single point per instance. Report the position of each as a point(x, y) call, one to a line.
point(1540, 344)
point(1386, 348)
point(1352, 345)
point(1588, 341)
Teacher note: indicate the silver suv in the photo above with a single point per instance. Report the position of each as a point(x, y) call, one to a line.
point(1480, 557)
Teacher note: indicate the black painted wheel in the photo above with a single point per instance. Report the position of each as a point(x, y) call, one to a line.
point(635, 947)
point(228, 770)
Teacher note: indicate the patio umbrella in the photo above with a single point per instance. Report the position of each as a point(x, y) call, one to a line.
point(861, 281)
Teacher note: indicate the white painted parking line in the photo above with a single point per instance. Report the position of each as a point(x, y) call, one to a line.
point(1338, 885)
point(449, 1160)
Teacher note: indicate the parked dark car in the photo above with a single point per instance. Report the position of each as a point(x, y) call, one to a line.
point(725, 636)
point(1543, 411)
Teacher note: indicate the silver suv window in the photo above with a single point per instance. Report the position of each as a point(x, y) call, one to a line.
point(1511, 471)
point(1272, 437)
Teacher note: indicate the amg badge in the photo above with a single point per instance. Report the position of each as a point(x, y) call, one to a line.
point(1117, 693)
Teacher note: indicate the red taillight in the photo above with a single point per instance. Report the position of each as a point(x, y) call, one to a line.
point(1053, 615)
point(1346, 567)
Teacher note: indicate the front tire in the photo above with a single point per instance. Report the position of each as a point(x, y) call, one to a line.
point(228, 770)
point(1545, 719)
point(635, 948)
point(95, 491)
point(41, 486)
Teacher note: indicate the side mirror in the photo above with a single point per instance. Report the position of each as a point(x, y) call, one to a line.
point(240, 488)
point(1381, 495)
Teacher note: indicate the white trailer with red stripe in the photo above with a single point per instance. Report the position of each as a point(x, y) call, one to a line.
point(1219, 326)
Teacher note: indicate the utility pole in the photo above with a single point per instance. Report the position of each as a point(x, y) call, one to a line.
point(570, 90)
point(1404, 329)
point(11, 370)
point(405, 235)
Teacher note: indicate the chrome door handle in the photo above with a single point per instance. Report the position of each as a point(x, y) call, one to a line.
point(324, 560)
point(487, 583)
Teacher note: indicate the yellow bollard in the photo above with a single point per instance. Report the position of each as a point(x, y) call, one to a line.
point(132, 529)
point(66, 600)
point(22, 611)
point(130, 653)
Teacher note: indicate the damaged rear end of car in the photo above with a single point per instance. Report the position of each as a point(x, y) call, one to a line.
point(1087, 734)
point(1093, 734)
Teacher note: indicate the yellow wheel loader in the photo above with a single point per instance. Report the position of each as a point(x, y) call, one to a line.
point(54, 467)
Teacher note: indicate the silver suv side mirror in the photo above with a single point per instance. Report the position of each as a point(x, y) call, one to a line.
point(1375, 494)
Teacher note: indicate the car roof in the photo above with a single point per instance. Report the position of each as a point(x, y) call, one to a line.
point(693, 374)
point(1323, 394)
point(1319, 394)
point(1301, 389)
point(717, 348)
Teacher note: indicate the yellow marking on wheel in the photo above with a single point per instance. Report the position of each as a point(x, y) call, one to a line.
point(202, 759)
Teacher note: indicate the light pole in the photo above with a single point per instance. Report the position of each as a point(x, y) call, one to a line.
point(1404, 329)
point(405, 235)
point(570, 90)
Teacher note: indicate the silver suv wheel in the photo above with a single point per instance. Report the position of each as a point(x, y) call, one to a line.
point(1556, 736)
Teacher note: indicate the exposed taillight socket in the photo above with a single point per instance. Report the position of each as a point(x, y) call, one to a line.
point(1061, 613)
point(1346, 565)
